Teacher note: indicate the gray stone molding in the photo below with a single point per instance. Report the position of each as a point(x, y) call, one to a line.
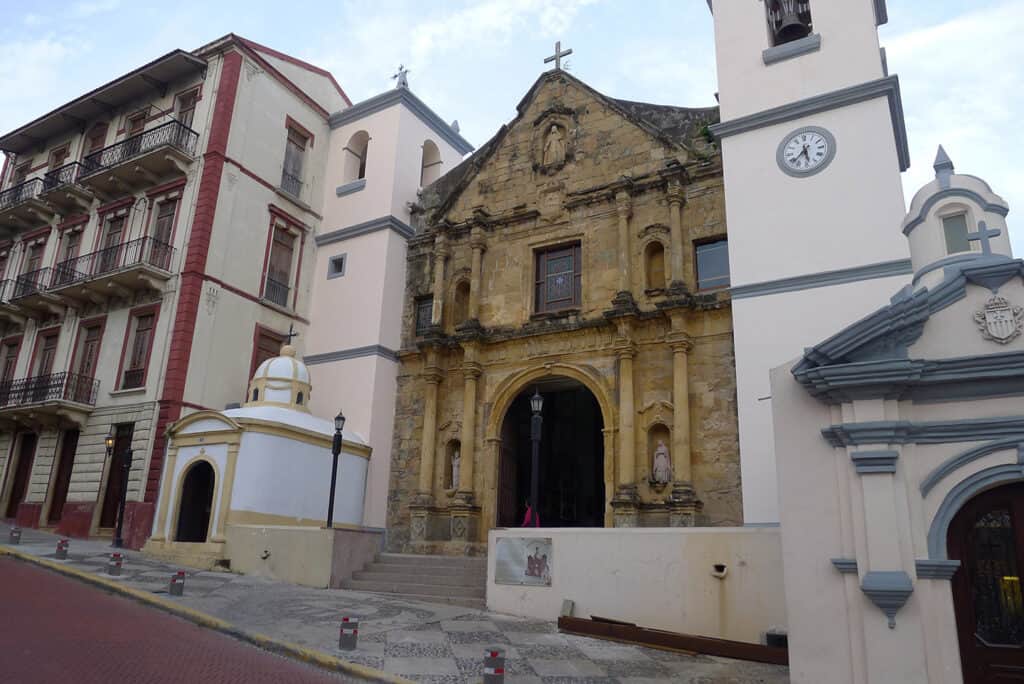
point(962, 493)
point(881, 13)
point(349, 188)
point(847, 566)
point(867, 462)
point(889, 590)
point(969, 456)
point(938, 432)
point(364, 228)
point(811, 43)
point(883, 269)
point(888, 87)
point(920, 217)
point(414, 104)
point(936, 569)
point(354, 353)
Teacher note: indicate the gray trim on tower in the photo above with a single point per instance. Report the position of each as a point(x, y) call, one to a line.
point(364, 228)
point(937, 432)
point(881, 13)
point(936, 569)
point(962, 459)
point(922, 214)
point(414, 104)
point(847, 566)
point(795, 48)
point(866, 462)
point(349, 188)
point(889, 590)
point(354, 353)
point(888, 87)
point(883, 269)
point(961, 494)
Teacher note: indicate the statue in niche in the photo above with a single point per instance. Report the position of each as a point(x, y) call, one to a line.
point(554, 147)
point(661, 473)
point(456, 459)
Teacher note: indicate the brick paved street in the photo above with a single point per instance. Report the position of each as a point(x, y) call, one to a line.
point(57, 629)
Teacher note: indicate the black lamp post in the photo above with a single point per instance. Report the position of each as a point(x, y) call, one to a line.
point(536, 404)
point(339, 425)
point(126, 464)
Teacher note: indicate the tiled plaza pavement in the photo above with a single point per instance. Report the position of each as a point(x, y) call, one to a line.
point(421, 641)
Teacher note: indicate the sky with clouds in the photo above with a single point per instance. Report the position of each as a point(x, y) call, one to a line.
point(961, 64)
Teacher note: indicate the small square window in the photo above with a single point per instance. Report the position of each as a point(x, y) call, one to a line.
point(713, 265)
point(955, 228)
point(424, 314)
point(336, 266)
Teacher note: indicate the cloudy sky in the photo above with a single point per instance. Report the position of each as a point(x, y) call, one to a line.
point(961, 64)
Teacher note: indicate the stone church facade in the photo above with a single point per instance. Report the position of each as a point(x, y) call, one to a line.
point(579, 256)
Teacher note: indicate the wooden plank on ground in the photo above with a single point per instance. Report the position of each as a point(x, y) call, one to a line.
point(629, 633)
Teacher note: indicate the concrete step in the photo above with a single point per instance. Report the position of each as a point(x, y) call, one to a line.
point(405, 569)
point(408, 589)
point(409, 577)
point(422, 560)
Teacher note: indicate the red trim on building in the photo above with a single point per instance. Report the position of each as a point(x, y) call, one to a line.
point(41, 334)
point(82, 325)
point(114, 206)
point(132, 315)
point(44, 231)
point(297, 62)
point(29, 513)
point(191, 279)
point(257, 331)
point(73, 222)
point(166, 187)
point(76, 519)
point(283, 80)
point(288, 218)
point(267, 184)
point(256, 300)
point(298, 272)
point(291, 123)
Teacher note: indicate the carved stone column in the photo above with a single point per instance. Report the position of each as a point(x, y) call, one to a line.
point(625, 502)
point(470, 372)
point(479, 246)
point(624, 209)
point(676, 199)
point(419, 509)
point(683, 503)
point(440, 257)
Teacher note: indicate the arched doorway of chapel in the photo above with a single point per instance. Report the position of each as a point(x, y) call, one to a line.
point(196, 503)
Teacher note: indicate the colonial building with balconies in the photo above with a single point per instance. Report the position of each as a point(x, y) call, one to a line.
point(157, 243)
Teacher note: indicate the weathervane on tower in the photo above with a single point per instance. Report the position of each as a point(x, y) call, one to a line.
point(401, 77)
point(557, 57)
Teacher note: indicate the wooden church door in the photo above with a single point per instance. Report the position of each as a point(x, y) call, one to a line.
point(987, 537)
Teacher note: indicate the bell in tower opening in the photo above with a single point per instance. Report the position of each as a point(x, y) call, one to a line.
point(789, 20)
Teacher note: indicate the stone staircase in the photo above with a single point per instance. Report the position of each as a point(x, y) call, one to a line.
point(433, 579)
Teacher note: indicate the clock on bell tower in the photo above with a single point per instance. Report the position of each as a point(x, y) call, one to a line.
point(813, 144)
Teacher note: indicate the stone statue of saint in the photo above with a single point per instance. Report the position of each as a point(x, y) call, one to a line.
point(554, 146)
point(662, 471)
point(456, 458)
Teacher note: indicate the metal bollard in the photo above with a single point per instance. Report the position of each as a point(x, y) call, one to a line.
point(62, 549)
point(178, 583)
point(114, 564)
point(494, 666)
point(348, 634)
point(15, 536)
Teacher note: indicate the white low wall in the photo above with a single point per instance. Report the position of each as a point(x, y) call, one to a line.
point(656, 577)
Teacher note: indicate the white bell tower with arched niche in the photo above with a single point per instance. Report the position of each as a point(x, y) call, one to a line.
point(813, 143)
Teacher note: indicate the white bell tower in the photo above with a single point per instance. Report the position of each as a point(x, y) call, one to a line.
point(813, 143)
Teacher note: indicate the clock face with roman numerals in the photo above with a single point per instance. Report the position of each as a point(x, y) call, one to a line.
point(806, 151)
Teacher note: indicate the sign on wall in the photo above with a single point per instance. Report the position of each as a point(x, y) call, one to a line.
point(523, 561)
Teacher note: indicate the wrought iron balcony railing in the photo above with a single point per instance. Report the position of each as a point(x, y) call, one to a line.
point(173, 133)
point(65, 175)
point(276, 292)
point(31, 283)
point(21, 192)
point(133, 378)
point(52, 387)
point(141, 251)
point(291, 184)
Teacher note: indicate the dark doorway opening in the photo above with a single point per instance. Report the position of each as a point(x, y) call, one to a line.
point(22, 472)
point(196, 503)
point(117, 478)
point(571, 481)
point(987, 537)
point(68, 446)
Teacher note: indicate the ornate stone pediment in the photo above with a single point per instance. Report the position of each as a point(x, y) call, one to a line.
point(655, 412)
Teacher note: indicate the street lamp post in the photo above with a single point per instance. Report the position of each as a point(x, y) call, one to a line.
point(127, 466)
point(339, 425)
point(536, 421)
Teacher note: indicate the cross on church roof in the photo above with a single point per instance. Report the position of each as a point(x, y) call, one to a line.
point(557, 57)
point(983, 234)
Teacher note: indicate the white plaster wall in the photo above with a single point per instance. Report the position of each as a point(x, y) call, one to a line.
point(215, 453)
point(317, 86)
point(658, 578)
point(954, 328)
point(849, 55)
point(767, 331)
point(279, 476)
point(411, 136)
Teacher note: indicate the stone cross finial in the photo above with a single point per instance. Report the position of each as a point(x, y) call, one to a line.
point(557, 57)
point(291, 333)
point(401, 77)
point(984, 233)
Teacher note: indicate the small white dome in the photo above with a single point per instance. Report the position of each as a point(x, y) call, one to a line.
point(281, 381)
point(283, 367)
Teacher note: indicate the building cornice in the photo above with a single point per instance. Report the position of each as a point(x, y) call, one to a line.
point(405, 97)
point(883, 269)
point(938, 432)
point(365, 228)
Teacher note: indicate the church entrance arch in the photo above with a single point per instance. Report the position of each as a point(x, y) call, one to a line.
point(987, 537)
point(572, 483)
point(196, 503)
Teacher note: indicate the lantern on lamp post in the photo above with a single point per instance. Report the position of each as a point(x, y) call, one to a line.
point(536, 421)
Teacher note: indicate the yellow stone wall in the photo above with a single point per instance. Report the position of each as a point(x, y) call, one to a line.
point(621, 178)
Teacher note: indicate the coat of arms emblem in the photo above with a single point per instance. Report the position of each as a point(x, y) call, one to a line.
point(1000, 321)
